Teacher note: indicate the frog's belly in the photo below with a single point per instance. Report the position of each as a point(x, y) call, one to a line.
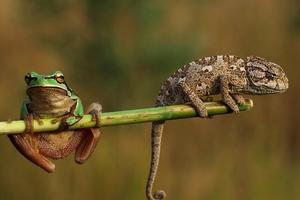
point(58, 145)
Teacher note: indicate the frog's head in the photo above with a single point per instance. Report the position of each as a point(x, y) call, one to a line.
point(53, 80)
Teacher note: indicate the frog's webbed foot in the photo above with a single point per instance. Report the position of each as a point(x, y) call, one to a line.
point(90, 136)
point(27, 146)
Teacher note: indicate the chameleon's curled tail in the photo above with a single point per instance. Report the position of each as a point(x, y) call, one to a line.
point(157, 129)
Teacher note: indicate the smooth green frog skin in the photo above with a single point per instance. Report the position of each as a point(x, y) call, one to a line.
point(50, 96)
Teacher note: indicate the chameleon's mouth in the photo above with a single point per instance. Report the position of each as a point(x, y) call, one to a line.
point(283, 84)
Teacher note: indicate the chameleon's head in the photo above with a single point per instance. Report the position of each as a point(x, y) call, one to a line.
point(265, 77)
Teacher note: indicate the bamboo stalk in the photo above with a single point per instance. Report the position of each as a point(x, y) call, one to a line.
point(124, 117)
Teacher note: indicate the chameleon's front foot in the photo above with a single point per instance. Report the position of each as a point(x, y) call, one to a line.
point(239, 99)
point(231, 104)
point(231, 100)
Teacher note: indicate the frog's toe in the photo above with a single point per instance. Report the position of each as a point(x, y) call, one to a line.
point(87, 145)
point(90, 136)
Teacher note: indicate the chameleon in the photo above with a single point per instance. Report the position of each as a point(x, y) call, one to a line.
point(225, 75)
point(51, 97)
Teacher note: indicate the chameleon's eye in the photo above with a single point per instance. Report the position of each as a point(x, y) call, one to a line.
point(256, 73)
point(260, 74)
point(60, 78)
point(270, 75)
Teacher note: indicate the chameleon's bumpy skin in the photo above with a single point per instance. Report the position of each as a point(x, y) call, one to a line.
point(227, 75)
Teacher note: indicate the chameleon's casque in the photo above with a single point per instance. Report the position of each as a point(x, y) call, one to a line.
point(227, 75)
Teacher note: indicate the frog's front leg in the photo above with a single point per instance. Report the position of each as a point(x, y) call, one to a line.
point(90, 136)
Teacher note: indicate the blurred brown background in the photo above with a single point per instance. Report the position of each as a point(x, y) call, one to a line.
point(118, 52)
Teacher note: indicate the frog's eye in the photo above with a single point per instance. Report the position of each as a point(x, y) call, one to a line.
point(29, 78)
point(60, 78)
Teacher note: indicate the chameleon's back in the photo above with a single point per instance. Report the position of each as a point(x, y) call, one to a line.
point(202, 76)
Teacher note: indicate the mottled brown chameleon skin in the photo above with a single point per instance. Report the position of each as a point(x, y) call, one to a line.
point(227, 75)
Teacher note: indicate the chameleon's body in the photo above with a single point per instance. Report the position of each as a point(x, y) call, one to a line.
point(227, 75)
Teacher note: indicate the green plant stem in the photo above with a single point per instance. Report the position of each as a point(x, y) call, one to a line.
point(124, 117)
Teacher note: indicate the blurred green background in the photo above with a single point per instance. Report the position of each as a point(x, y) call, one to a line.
point(118, 52)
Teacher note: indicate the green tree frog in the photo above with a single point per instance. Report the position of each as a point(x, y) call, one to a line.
point(50, 96)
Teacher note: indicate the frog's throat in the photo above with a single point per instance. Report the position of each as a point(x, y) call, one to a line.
point(42, 90)
point(49, 101)
point(58, 89)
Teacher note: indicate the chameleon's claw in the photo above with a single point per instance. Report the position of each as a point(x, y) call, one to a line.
point(233, 106)
point(236, 111)
point(202, 112)
point(239, 99)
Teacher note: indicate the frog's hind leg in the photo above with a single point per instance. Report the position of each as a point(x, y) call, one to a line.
point(27, 146)
point(90, 136)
